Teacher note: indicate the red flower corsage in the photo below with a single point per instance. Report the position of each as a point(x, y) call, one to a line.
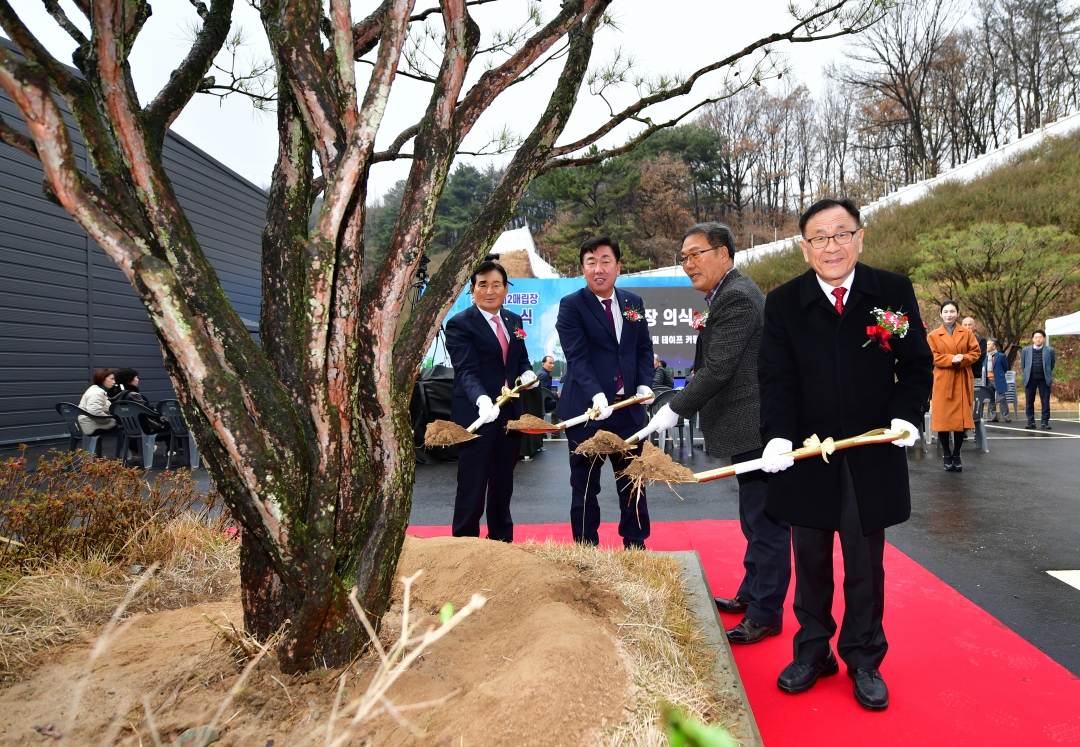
point(520, 333)
point(889, 324)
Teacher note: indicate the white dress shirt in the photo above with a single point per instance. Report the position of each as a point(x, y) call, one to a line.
point(828, 289)
point(493, 321)
point(616, 312)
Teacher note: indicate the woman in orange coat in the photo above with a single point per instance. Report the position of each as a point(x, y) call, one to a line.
point(953, 401)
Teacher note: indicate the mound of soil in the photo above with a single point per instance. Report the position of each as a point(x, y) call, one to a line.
point(538, 665)
point(445, 433)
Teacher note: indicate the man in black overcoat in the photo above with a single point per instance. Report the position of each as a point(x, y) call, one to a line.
point(487, 347)
point(818, 376)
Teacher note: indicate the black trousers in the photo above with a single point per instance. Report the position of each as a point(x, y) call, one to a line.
point(862, 639)
point(634, 525)
point(1037, 385)
point(767, 561)
point(486, 470)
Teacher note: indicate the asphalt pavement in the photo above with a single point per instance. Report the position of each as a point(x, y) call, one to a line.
point(991, 532)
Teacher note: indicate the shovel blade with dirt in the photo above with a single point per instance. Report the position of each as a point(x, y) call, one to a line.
point(447, 433)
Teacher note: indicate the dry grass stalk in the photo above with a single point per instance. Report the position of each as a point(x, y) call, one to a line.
point(55, 601)
point(662, 639)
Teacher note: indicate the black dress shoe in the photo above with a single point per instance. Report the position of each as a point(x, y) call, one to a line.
point(1046, 426)
point(948, 464)
point(956, 465)
point(1030, 426)
point(798, 678)
point(733, 606)
point(870, 689)
point(749, 631)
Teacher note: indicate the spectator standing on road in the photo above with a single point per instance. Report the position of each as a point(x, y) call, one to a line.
point(977, 368)
point(1037, 361)
point(547, 365)
point(95, 401)
point(953, 401)
point(995, 368)
point(661, 377)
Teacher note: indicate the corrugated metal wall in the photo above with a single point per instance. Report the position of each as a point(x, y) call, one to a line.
point(66, 309)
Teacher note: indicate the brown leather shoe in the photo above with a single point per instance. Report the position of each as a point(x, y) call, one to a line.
point(733, 606)
point(749, 631)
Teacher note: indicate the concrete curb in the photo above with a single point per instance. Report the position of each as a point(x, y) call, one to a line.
point(726, 674)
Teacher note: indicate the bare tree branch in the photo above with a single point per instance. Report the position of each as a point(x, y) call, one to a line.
point(811, 24)
point(16, 139)
point(428, 313)
point(58, 14)
point(186, 79)
point(394, 150)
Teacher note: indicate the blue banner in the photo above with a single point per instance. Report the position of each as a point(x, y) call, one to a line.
point(670, 303)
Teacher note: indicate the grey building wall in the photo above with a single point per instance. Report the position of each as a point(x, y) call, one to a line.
point(66, 309)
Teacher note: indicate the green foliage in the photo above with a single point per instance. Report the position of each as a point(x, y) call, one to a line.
point(1005, 275)
point(1036, 188)
point(76, 505)
point(700, 148)
point(775, 269)
point(687, 731)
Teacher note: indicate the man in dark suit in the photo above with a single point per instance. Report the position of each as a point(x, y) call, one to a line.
point(725, 392)
point(609, 356)
point(1037, 362)
point(997, 365)
point(818, 376)
point(487, 348)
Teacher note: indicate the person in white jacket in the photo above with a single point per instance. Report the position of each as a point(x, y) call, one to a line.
point(95, 401)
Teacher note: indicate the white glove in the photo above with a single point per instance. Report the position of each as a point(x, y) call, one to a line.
point(529, 380)
point(664, 418)
point(599, 402)
point(487, 409)
point(899, 426)
point(645, 391)
point(773, 459)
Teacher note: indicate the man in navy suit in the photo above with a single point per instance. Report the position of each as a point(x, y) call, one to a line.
point(609, 357)
point(486, 346)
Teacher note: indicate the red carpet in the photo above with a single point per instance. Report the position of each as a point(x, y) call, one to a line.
point(956, 675)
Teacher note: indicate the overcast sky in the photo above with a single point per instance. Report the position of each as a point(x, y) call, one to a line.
point(673, 37)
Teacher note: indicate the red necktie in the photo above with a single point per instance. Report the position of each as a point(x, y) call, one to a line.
point(500, 332)
point(839, 294)
point(611, 318)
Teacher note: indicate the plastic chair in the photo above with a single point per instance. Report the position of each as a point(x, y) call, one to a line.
point(1010, 380)
point(128, 414)
point(77, 439)
point(664, 397)
point(179, 433)
point(983, 396)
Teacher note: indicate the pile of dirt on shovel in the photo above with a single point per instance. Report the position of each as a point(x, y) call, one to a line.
point(445, 433)
point(604, 442)
point(653, 465)
point(531, 423)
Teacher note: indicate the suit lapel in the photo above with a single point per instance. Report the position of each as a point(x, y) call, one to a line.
point(593, 303)
point(480, 321)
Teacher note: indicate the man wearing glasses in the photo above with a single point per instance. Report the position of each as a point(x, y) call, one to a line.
point(487, 349)
point(609, 357)
point(725, 391)
point(825, 369)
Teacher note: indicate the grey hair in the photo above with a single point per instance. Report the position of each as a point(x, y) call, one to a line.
point(717, 234)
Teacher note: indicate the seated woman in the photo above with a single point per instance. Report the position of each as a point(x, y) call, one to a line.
point(127, 390)
point(95, 401)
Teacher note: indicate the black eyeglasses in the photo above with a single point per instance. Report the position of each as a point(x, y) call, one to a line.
point(840, 239)
point(680, 259)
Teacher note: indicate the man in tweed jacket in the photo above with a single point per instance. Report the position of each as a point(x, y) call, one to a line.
point(724, 390)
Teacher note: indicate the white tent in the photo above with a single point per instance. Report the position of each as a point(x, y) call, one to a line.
point(1064, 325)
